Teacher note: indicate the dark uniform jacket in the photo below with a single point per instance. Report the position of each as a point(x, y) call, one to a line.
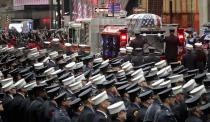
point(137, 43)
point(82, 53)
point(193, 118)
point(140, 115)
point(74, 117)
point(165, 114)
point(49, 109)
point(137, 60)
point(87, 114)
point(171, 50)
point(60, 115)
point(52, 64)
point(127, 58)
point(89, 68)
point(8, 108)
point(200, 60)
point(189, 61)
point(133, 109)
point(19, 107)
point(151, 111)
point(101, 117)
point(113, 99)
point(35, 110)
point(115, 120)
point(180, 111)
point(151, 58)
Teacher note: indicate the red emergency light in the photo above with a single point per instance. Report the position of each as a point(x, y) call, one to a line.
point(181, 36)
point(46, 20)
point(123, 37)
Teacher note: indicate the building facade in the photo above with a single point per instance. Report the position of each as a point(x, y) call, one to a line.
point(5, 5)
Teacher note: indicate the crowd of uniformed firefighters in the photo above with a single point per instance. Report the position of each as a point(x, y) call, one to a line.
point(63, 86)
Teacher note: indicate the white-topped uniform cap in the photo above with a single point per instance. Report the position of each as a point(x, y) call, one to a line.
point(55, 40)
point(43, 51)
point(208, 75)
point(190, 85)
point(68, 81)
point(76, 85)
point(116, 107)
point(122, 50)
point(47, 42)
point(121, 73)
point(56, 72)
point(33, 55)
point(43, 82)
point(79, 65)
point(99, 80)
point(169, 69)
point(137, 73)
point(162, 72)
point(21, 48)
point(8, 86)
point(129, 49)
point(38, 65)
point(46, 60)
point(30, 85)
point(177, 90)
point(100, 98)
point(53, 54)
point(153, 71)
point(105, 62)
point(33, 50)
point(157, 83)
point(94, 77)
point(74, 55)
point(166, 84)
point(127, 67)
point(82, 45)
point(139, 79)
point(98, 60)
point(49, 71)
point(68, 44)
point(20, 84)
point(125, 63)
point(161, 64)
point(198, 91)
point(189, 47)
point(80, 78)
point(177, 78)
point(5, 81)
point(198, 44)
point(71, 66)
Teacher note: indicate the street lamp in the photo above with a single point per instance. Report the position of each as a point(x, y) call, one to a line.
point(113, 8)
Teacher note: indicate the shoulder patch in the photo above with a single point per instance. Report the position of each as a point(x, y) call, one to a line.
point(135, 113)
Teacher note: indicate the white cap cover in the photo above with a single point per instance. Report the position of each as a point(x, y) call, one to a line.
point(100, 98)
point(116, 107)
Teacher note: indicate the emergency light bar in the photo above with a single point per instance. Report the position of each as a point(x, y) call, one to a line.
point(158, 34)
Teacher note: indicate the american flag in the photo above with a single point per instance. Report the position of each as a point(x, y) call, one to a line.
point(7, 25)
point(148, 21)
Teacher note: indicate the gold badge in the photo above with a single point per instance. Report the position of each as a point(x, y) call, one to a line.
point(135, 113)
